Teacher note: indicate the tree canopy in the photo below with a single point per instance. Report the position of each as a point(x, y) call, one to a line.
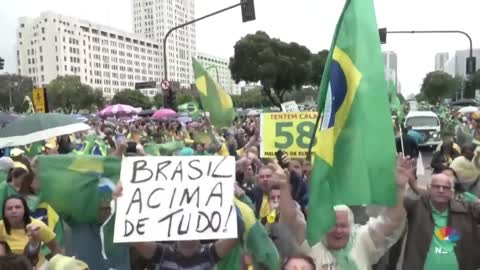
point(158, 101)
point(68, 94)
point(438, 85)
point(18, 87)
point(134, 98)
point(251, 99)
point(317, 62)
point(279, 66)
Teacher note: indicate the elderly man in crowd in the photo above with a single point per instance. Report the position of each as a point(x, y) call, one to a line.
point(348, 246)
point(443, 233)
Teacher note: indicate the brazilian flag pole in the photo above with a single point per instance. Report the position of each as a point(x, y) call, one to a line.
point(354, 154)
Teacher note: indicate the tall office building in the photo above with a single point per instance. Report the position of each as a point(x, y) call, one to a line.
point(219, 70)
point(105, 58)
point(440, 60)
point(390, 66)
point(153, 19)
point(390, 60)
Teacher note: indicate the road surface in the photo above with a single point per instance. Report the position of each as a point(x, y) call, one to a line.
point(427, 159)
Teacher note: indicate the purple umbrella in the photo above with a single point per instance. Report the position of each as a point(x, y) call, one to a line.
point(164, 114)
point(118, 110)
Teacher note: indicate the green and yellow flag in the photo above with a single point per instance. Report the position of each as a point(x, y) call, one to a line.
point(214, 98)
point(354, 149)
point(255, 240)
point(395, 103)
point(76, 186)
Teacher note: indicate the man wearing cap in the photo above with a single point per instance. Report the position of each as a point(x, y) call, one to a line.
point(51, 147)
point(16, 152)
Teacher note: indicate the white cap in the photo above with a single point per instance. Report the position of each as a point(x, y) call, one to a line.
point(6, 163)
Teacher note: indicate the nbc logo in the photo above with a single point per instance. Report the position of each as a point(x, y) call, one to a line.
point(447, 234)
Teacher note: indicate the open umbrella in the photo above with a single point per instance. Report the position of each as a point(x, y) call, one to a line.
point(164, 114)
point(468, 109)
point(119, 110)
point(6, 118)
point(184, 119)
point(38, 127)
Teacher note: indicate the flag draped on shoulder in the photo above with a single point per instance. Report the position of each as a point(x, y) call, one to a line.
point(214, 98)
point(255, 240)
point(354, 153)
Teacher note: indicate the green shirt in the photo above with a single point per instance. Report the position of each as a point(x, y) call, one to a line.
point(441, 255)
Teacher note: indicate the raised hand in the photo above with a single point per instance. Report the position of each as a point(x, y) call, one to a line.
point(405, 170)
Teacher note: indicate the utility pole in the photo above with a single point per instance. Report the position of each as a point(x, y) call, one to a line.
point(248, 14)
point(216, 71)
point(471, 63)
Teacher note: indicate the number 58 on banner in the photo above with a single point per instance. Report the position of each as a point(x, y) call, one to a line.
point(288, 131)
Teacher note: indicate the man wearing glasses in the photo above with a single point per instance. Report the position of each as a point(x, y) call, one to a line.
point(443, 233)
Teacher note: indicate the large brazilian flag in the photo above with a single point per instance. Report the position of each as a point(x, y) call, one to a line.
point(354, 153)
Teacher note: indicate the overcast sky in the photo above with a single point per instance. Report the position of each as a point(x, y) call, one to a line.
point(308, 22)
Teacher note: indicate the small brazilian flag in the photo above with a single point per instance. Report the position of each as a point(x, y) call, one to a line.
point(214, 98)
point(354, 152)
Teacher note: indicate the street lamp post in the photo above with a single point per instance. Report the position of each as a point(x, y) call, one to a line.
point(165, 68)
point(14, 86)
point(216, 71)
point(470, 61)
point(248, 14)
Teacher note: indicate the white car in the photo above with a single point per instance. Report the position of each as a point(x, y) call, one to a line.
point(427, 124)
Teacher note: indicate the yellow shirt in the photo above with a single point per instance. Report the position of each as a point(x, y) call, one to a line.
point(223, 151)
point(18, 238)
point(265, 209)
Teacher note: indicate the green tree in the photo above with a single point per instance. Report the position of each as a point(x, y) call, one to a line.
point(93, 101)
point(134, 98)
point(158, 100)
point(183, 96)
point(280, 67)
point(17, 87)
point(251, 99)
point(439, 85)
point(317, 63)
point(69, 95)
point(303, 95)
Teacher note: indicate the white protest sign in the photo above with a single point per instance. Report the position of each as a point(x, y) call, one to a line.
point(290, 106)
point(176, 198)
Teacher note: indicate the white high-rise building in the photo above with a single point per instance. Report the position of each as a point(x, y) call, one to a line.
point(390, 62)
point(105, 58)
point(390, 66)
point(219, 70)
point(440, 60)
point(153, 19)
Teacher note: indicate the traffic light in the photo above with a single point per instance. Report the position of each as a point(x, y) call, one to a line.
point(2, 62)
point(471, 65)
point(469, 91)
point(383, 35)
point(248, 10)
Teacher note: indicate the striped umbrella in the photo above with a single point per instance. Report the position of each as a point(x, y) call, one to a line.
point(38, 127)
point(119, 110)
